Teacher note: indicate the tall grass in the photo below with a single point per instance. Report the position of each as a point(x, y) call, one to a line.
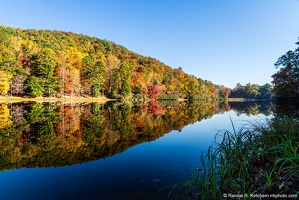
point(259, 158)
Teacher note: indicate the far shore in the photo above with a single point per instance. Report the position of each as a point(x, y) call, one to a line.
point(9, 99)
point(102, 99)
point(246, 99)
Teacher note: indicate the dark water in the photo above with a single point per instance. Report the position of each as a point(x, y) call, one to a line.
point(112, 151)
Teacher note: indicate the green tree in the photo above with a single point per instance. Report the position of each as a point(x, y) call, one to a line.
point(94, 73)
point(251, 90)
point(125, 74)
point(113, 64)
point(126, 88)
point(44, 63)
point(286, 80)
point(97, 77)
point(43, 66)
point(265, 90)
point(35, 86)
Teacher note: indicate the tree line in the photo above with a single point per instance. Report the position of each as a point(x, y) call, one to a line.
point(252, 91)
point(56, 63)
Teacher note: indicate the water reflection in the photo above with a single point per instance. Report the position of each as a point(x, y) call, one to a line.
point(287, 108)
point(48, 134)
point(252, 108)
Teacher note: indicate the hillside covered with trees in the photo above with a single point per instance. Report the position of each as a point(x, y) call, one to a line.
point(55, 63)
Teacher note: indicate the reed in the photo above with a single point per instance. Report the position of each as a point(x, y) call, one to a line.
point(259, 158)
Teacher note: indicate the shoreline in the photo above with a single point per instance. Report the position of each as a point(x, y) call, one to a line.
point(102, 99)
point(15, 99)
point(246, 99)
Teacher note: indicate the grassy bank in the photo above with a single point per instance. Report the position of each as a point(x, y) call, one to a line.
point(262, 158)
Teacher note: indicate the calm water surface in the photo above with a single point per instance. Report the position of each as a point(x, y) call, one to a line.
point(108, 152)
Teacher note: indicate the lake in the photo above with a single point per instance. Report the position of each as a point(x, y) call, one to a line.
point(56, 151)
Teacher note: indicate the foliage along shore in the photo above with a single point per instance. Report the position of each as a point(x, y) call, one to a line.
point(55, 63)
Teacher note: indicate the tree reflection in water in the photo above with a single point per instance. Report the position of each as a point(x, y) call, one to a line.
point(48, 134)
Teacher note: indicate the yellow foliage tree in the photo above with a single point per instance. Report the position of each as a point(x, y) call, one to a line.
point(70, 62)
point(74, 58)
point(4, 82)
point(30, 47)
point(16, 43)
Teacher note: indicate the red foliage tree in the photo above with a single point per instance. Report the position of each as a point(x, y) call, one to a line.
point(64, 74)
point(154, 91)
point(25, 61)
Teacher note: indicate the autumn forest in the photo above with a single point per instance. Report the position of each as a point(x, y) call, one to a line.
point(54, 63)
point(36, 63)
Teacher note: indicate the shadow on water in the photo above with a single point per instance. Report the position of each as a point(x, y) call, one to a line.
point(287, 108)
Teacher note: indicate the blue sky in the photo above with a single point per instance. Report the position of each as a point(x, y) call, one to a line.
point(224, 41)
